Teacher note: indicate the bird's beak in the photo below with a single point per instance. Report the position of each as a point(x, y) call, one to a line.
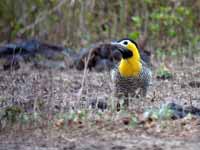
point(124, 51)
point(119, 47)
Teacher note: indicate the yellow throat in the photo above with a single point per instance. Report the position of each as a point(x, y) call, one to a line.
point(130, 67)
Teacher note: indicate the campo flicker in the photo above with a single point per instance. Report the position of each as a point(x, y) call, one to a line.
point(132, 73)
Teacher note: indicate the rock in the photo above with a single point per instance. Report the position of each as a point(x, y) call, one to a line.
point(175, 106)
point(146, 56)
point(116, 55)
point(92, 103)
point(118, 147)
point(102, 57)
point(70, 146)
point(178, 111)
point(194, 84)
point(170, 111)
point(103, 64)
point(100, 104)
point(12, 62)
point(40, 54)
point(25, 47)
point(192, 110)
point(105, 51)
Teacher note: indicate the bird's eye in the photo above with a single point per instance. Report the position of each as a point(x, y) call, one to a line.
point(125, 43)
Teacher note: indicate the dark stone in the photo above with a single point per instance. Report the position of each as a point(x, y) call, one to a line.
point(116, 55)
point(118, 147)
point(70, 146)
point(103, 64)
point(103, 56)
point(11, 63)
point(40, 54)
point(146, 56)
point(180, 112)
point(175, 106)
point(105, 51)
point(194, 84)
point(193, 110)
point(100, 104)
point(93, 103)
point(29, 46)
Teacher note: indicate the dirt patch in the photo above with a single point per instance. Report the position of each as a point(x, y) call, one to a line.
point(112, 138)
point(60, 91)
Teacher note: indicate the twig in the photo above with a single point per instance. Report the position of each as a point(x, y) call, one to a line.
point(190, 100)
point(51, 90)
point(84, 75)
point(42, 17)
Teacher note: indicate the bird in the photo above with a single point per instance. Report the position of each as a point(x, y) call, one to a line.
point(131, 73)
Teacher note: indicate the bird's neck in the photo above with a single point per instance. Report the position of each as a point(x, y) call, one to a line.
point(130, 67)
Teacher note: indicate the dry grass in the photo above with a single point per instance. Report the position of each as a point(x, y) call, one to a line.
point(63, 115)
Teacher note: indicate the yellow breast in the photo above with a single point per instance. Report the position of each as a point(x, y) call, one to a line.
point(130, 67)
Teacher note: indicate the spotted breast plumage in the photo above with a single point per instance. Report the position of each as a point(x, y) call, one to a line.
point(129, 85)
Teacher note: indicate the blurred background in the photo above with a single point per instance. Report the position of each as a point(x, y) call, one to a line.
point(46, 47)
point(168, 27)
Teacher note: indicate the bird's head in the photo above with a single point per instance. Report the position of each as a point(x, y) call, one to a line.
point(128, 48)
point(130, 63)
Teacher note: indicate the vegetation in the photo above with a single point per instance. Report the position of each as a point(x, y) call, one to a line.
point(68, 108)
point(172, 27)
point(163, 73)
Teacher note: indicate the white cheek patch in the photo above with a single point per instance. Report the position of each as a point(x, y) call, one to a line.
point(122, 43)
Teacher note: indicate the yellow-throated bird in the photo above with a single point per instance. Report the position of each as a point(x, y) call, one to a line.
point(132, 72)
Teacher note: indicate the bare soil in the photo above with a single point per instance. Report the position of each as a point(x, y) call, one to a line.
point(58, 91)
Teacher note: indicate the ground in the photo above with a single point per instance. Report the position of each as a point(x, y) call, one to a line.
point(61, 91)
